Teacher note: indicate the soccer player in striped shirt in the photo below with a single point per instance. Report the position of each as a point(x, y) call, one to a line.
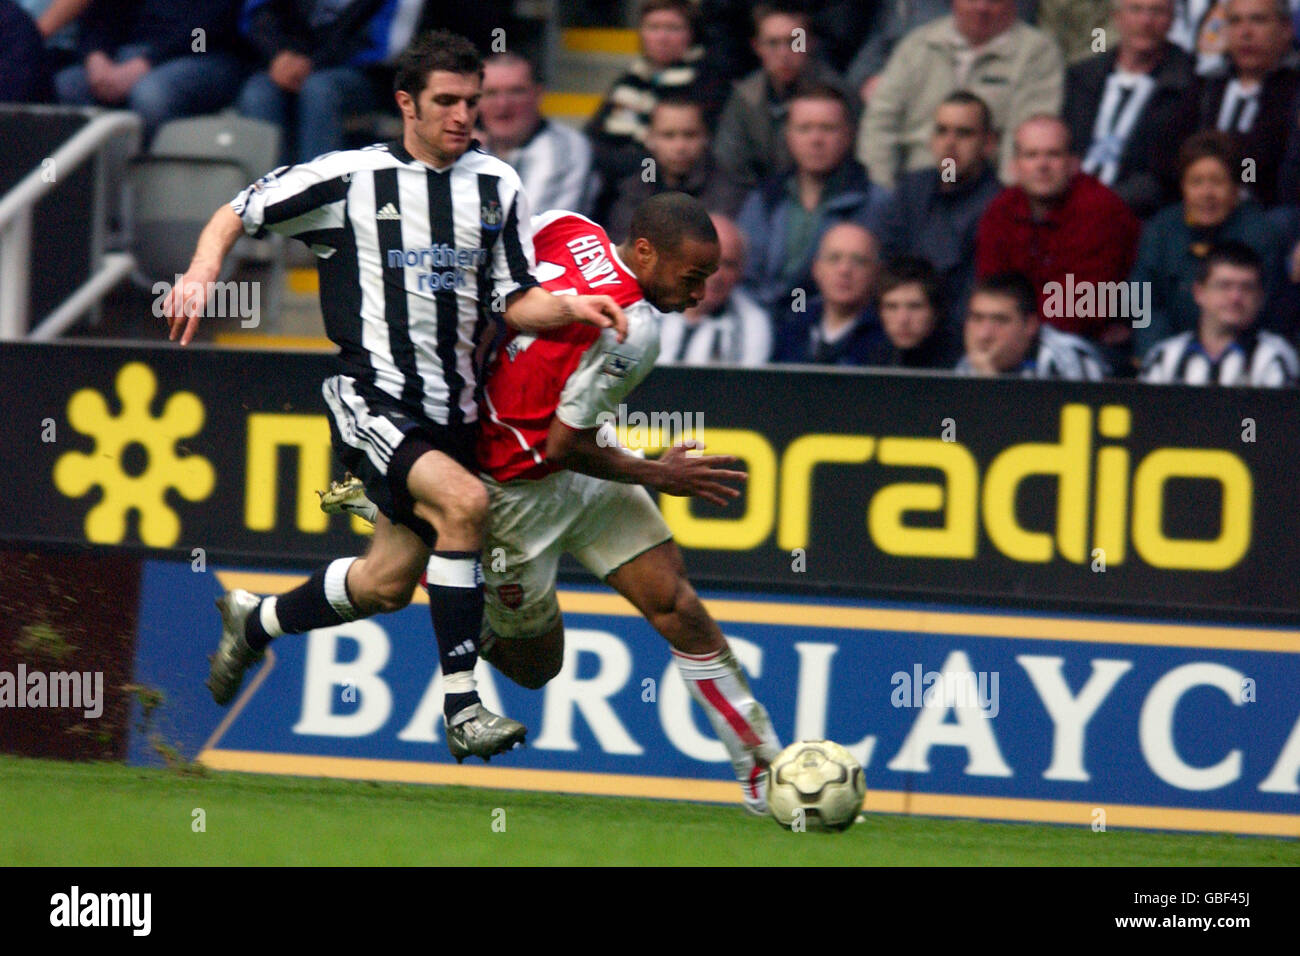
point(419, 241)
point(1226, 348)
point(1004, 336)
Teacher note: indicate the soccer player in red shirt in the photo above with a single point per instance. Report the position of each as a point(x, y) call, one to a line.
point(559, 482)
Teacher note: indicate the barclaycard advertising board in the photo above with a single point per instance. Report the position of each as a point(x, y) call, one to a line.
point(1078, 720)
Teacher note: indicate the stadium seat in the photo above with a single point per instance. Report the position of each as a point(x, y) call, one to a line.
point(253, 144)
point(169, 202)
point(249, 146)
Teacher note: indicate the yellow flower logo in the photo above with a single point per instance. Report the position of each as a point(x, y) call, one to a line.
point(119, 442)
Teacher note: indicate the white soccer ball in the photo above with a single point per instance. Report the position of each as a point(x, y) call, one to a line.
point(815, 785)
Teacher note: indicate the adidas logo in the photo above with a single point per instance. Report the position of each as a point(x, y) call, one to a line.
point(388, 211)
point(465, 647)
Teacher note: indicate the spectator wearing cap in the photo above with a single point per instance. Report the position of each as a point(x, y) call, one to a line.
point(839, 326)
point(935, 212)
point(1227, 347)
point(680, 161)
point(1127, 106)
point(910, 305)
point(784, 219)
point(727, 327)
point(554, 161)
point(1177, 239)
point(982, 47)
point(164, 59)
point(1059, 226)
point(1003, 336)
point(750, 144)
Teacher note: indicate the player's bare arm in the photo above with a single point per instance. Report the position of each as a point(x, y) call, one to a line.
point(190, 294)
point(536, 310)
point(674, 473)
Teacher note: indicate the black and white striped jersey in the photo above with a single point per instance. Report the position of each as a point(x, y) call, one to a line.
point(1058, 355)
point(1256, 358)
point(413, 261)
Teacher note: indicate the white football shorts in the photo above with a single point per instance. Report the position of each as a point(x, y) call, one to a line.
point(604, 524)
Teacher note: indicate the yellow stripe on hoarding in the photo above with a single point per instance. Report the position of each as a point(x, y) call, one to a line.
point(721, 791)
point(891, 619)
point(570, 104)
point(602, 40)
point(244, 340)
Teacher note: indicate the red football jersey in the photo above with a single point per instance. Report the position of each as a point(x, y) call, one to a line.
point(579, 370)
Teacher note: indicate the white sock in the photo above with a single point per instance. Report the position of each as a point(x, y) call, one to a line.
point(718, 684)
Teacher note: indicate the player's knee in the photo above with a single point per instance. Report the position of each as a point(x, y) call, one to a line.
point(387, 594)
point(463, 514)
point(674, 598)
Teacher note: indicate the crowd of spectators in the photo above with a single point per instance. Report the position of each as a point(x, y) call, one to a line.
point(1047, 188)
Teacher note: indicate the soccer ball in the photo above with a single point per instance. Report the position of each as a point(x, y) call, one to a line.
point(817, 785)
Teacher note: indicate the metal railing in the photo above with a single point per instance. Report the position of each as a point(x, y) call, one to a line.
point(16, 208)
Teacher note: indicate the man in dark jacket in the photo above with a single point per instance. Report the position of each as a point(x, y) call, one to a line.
point(314, 60)
point(1130, 107)
point(164, 59)
point(680, 161)
point(911, 310)
point(784, 219)
point(23, 77)
point(1253, 98)
point(935, 212)
point(840, 325)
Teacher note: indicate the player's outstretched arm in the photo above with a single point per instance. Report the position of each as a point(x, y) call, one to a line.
point(673, 473)
point(537, 310)
point(188, 299)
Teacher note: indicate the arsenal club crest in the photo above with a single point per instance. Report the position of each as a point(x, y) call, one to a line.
point(511, 595)
point(490, 212)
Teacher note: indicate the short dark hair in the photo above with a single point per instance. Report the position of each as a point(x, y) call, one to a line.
point(435, 50)
point(1230, 253)
point(684, 8)
point(911, 270)
point(666, 220)
point(1209, 144)
point(806, 89)
point(1012, 285)
point(784, 8)
point(967, 98)
point(679, 99)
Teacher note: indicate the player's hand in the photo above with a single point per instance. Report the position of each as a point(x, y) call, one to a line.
point(186, 302)
point(600, 311)
point(698, 476)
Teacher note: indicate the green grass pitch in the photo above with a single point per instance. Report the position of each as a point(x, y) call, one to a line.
point(98, 814)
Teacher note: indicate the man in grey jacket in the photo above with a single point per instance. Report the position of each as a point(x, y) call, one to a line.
point(750, 142)
point(1016, 69)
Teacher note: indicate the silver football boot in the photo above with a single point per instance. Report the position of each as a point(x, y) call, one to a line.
point(234, 656)
point(483, 734)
